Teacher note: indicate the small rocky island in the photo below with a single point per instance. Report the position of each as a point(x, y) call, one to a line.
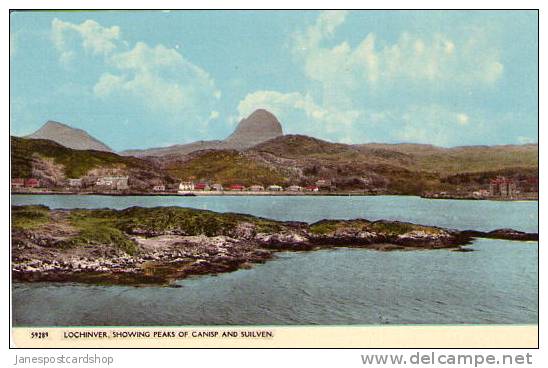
point(156, 246)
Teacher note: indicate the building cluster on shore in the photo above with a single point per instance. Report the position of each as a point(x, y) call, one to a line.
point(22, 184)
point(109, 184)
point(510, 188)
point(189, 187)
point(500, 187)
point(99, 184)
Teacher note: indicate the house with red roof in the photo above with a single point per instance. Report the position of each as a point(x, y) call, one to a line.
point(502, 187)
point(32, 183)
point(311, 188)
point(236, 187)
point(201, 186)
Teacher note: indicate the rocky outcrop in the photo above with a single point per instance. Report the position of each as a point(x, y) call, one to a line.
point(45, 168)
point(506, 234)
point(159, 245)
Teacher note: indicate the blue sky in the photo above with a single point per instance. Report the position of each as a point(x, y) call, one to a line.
point(152, 78)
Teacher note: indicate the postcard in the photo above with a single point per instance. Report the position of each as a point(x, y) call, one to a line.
point(270, 179)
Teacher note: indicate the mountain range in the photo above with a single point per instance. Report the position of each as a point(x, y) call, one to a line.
point(258, 152)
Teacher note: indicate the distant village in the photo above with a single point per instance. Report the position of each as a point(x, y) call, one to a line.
point(498, 188)
point(120, 184)
point(189, 187)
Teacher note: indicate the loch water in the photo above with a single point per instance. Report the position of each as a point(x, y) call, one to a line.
point(495, 284)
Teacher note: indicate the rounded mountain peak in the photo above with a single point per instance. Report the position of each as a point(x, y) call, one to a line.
point(258, 127)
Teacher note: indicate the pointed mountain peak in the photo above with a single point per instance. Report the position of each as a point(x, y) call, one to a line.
point(68, 136)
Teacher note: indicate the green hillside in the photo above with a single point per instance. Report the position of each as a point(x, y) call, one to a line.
point(225, 167)
point(414, 157)
point(399, 168)
point(450, 161)
point(76, 163)
point(302, 160)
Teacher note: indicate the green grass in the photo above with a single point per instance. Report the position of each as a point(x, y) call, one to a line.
point(111, 227)
point(29, 217)
point(225, 167)
point(400, 228)
point(328, 227)
point(189, 221)
point(185, 220)
point(324, 227)
point(298, 146)
point(106, 227)
point(473, 159)
point(407, 168)
point(95, 229)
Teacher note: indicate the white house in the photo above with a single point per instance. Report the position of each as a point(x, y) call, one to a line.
point(74, 182)
point(323, 183)
point(113, 182)
point(186, 186)
point(294, 188)
point(159, 188)
point(217, 187)
point(256, 188)
point(274, 188)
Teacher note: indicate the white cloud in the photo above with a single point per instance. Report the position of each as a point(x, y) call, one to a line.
point(276, 102)
point(325, 26)
point(107, 83)
point(333, 122)
point(95, 38)
point(411, 58)
point(348, 74)
point(214, 115)
point(434, 124)
point(158, 78)
point(299, 113)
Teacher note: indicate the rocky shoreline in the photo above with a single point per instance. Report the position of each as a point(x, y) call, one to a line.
point(156, 246)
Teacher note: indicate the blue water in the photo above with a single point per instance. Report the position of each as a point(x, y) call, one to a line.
point(458, 214)
point(495, 284)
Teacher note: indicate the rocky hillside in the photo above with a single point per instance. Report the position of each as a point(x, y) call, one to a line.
point(69, 137)
point(54, 163)
point(397, 169)
point(406, 169)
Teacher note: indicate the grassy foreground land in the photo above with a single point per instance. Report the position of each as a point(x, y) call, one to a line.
point(158, 245)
